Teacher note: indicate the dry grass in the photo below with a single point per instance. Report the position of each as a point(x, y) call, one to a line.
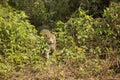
point(65, 71)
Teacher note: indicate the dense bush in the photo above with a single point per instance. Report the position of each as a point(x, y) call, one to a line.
point(93, 7)
point(46, 11)
point(74, 42)
point(34, 8)
point(100, 38)
point(107, 28)
point(80, 27)
point(19, 42)
point(106, 37)
point(87, 33)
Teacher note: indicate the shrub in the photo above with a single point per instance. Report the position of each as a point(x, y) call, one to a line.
point(107, 36)
point(80, 27)
point(19, 42)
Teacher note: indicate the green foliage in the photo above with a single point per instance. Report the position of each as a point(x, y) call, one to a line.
point(107, 35)
point(14, 30)
point(34, 8)
point(63, 39)
point(94, 8)
point(66, 45)
point(80, 27)
point(19, 42)
point(45, 11)
point(58, 9)
point(87, 45)
point(108, 28)
point(4, 2)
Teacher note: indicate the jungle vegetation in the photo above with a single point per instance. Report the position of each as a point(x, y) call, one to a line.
point(87, 34)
